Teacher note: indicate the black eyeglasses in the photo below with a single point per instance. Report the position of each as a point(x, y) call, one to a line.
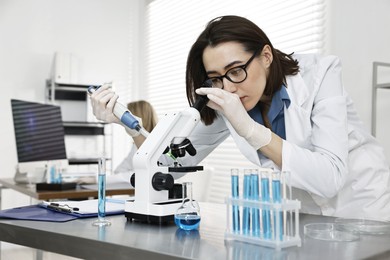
point(236, 74)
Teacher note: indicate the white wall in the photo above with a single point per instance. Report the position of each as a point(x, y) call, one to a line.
point(97, 32)
point(358, 34)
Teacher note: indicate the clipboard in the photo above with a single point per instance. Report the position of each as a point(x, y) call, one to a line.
point(34, 212)
point(84, 208)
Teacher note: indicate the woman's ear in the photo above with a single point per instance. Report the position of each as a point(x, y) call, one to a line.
point(267, 53)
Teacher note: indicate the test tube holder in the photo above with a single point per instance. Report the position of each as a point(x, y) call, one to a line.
point(290, 214)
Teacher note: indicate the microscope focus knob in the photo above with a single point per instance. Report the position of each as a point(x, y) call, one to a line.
point(161, 181)
point(132, 180)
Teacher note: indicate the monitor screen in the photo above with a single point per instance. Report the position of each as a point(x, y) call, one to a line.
point(39, 131)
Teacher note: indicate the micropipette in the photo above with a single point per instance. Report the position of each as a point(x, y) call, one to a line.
point(123, 114)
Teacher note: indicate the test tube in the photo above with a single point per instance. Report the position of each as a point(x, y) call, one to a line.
point(235, 194)
point(276, 198)
point(246, 211)
point(255, 196)
point(102, 194)
point(265, 196)
point(287, 195)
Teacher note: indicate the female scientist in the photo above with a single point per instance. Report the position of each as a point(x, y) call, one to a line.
point(148, 118)
point(288, 112)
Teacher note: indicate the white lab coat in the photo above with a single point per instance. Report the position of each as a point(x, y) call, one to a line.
point(337, 167)
point(126, 168)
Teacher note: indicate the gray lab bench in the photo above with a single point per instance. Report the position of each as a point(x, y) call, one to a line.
point(131, 240)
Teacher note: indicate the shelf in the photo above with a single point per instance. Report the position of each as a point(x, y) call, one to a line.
point(83, 128)
point(62, 91)
point(74, 86)
point(80, 161)
point(79, 127)
point(384, 85)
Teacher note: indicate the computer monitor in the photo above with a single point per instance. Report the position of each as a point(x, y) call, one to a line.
point(39, 136)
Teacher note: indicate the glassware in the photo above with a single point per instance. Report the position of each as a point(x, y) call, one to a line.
point(255, 195)
point(102, 195)
point(235, 194)
point(265, 197)
point(246, 219)
point(187, 216)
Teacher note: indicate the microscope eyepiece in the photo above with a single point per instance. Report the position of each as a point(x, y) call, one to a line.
point(202, 100)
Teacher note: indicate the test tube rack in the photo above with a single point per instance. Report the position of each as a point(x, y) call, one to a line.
point(281, 231)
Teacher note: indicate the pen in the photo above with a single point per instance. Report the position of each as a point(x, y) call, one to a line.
point(61, 208)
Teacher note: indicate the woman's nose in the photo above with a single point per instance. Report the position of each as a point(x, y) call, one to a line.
point(229, 86)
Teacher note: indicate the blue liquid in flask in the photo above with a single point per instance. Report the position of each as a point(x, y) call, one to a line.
point(187, 221)
point(187, 215)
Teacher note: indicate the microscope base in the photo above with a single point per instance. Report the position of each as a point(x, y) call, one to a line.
point(154, 213)
point(160, 220)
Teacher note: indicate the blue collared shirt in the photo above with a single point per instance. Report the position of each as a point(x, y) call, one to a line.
point(275, 113)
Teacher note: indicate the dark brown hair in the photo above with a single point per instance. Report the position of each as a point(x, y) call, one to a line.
point(234, 29)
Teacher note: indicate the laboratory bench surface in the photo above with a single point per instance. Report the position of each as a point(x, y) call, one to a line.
point(134, 240)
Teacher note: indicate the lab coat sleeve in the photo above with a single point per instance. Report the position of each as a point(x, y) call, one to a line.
point(321, 167)
point(127, 163)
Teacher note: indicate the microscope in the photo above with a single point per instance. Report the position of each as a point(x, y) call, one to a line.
point(153, 181)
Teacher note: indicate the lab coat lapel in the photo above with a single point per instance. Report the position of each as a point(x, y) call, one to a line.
point(297, 116)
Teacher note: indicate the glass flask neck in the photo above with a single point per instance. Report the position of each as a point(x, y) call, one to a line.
point(188, 201)
point(187, 191)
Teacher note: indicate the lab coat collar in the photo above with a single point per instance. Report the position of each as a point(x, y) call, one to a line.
point(297, 89)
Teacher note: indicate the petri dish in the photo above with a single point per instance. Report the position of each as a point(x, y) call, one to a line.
point(329, 232)
point(364, 226)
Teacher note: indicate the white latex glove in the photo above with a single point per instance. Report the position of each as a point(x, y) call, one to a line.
point(132, 132)
point(103, 101)
point(229, 104)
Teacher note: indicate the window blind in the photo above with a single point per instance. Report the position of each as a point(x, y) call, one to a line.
point(171, 27)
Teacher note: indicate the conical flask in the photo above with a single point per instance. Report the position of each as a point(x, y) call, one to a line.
point(187, 216)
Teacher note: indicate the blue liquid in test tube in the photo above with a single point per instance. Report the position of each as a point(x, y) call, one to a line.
point(101, 195)
point(265, 214)
point(235, 194)
point(276, 197)
point(255, 196)
point(246, 211)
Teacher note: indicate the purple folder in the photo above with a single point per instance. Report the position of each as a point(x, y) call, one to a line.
point(34, 212)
